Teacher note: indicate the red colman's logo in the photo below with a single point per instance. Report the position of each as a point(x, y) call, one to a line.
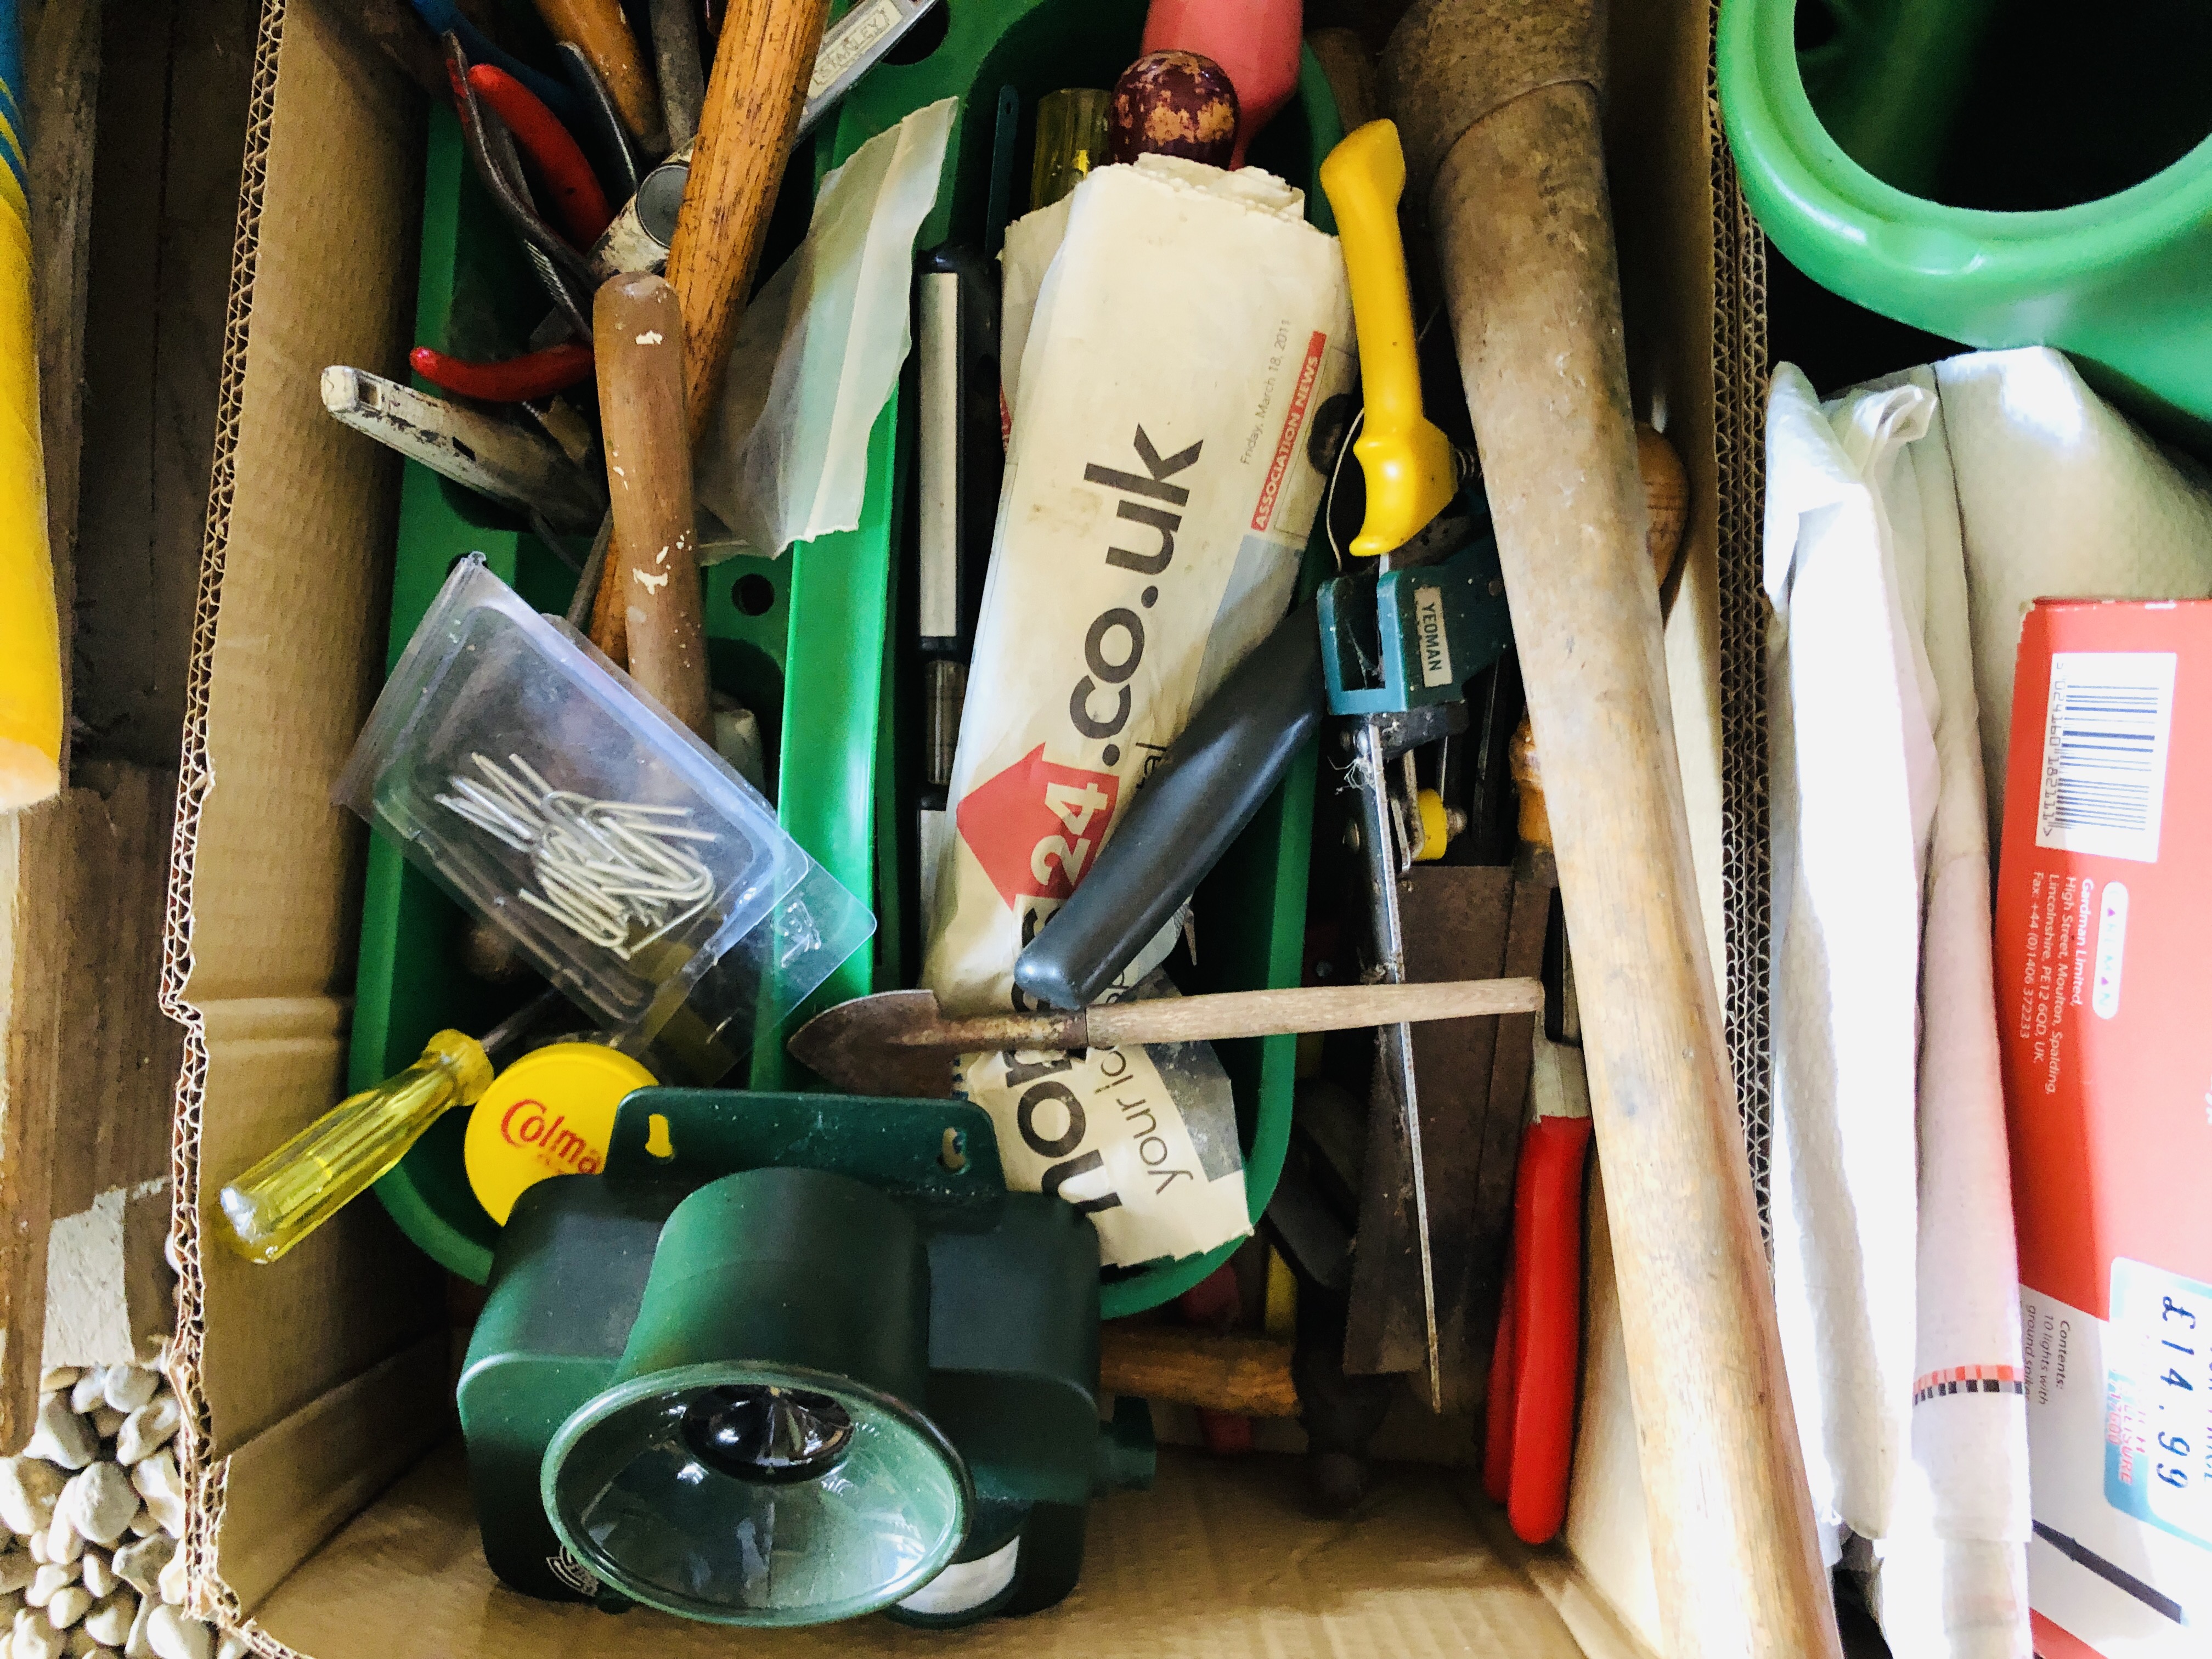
point(1035, 826)
point(526, 1127)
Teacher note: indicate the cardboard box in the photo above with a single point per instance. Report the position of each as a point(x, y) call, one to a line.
point(2104, 908)
point(328, 1509)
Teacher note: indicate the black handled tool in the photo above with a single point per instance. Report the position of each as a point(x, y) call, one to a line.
point(1214, 779)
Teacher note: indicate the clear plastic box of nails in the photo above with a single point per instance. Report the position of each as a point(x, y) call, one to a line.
point(634, 868)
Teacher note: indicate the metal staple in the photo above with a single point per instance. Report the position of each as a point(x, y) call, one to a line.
point(614, 872)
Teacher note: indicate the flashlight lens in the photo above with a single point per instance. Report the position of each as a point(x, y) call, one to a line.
point(757, 1431)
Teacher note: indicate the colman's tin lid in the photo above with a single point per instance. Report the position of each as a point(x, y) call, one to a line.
point(550, 1114)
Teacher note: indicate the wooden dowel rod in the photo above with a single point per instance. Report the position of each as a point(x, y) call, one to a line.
point(1247, 1375)
point(762, 62)
point(1306, 1008)
point(653, 567)
point(1501, 99)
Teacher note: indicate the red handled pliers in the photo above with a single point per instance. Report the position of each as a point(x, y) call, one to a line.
point(1529, 1443)
point(518, 380)
point(554, 160)
point(521, 133)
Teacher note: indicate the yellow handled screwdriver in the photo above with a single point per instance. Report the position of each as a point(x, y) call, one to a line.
point(1411, 473)
point(338, 1156)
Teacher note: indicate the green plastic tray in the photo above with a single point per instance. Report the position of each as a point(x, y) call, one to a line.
point(806, 641)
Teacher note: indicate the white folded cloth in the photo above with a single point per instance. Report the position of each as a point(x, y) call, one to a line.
point(2059, 495)
point(1894, 1266)
point(1852, 789)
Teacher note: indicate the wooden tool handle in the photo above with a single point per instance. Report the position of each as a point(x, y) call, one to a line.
point(1524, 235)
point(1247, 1375)
point(762, 66)
point(598, 28)
point(1665, 499)
point(638, 339)
point(1536, 821)
point(608, 630)
point(1666, 507)
point(1308, 1008)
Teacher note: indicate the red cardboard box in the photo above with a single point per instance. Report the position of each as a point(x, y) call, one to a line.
point(2104, 972)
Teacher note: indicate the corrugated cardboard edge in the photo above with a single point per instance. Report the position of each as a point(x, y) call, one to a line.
point(1740, 380)
point(204, 1479)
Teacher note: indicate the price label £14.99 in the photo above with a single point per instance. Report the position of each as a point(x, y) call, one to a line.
point(2158, 1410)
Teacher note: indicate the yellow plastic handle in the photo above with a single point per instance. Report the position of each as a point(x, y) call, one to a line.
point(1410, 472)
point(30, 628)
point(338, 1156)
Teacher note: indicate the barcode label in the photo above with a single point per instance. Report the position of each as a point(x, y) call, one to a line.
point(2103, 752)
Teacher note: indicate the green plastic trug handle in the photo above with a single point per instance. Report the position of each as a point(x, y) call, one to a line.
point(332, 1161)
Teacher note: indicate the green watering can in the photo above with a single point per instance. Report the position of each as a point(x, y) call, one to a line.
point(2122, 283)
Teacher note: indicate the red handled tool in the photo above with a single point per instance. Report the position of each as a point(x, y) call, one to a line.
point(1256, 41)
point(555, 160)
point(1531, 1426)
point(1530, 1429)
point(497, 161)
point(517, 379)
